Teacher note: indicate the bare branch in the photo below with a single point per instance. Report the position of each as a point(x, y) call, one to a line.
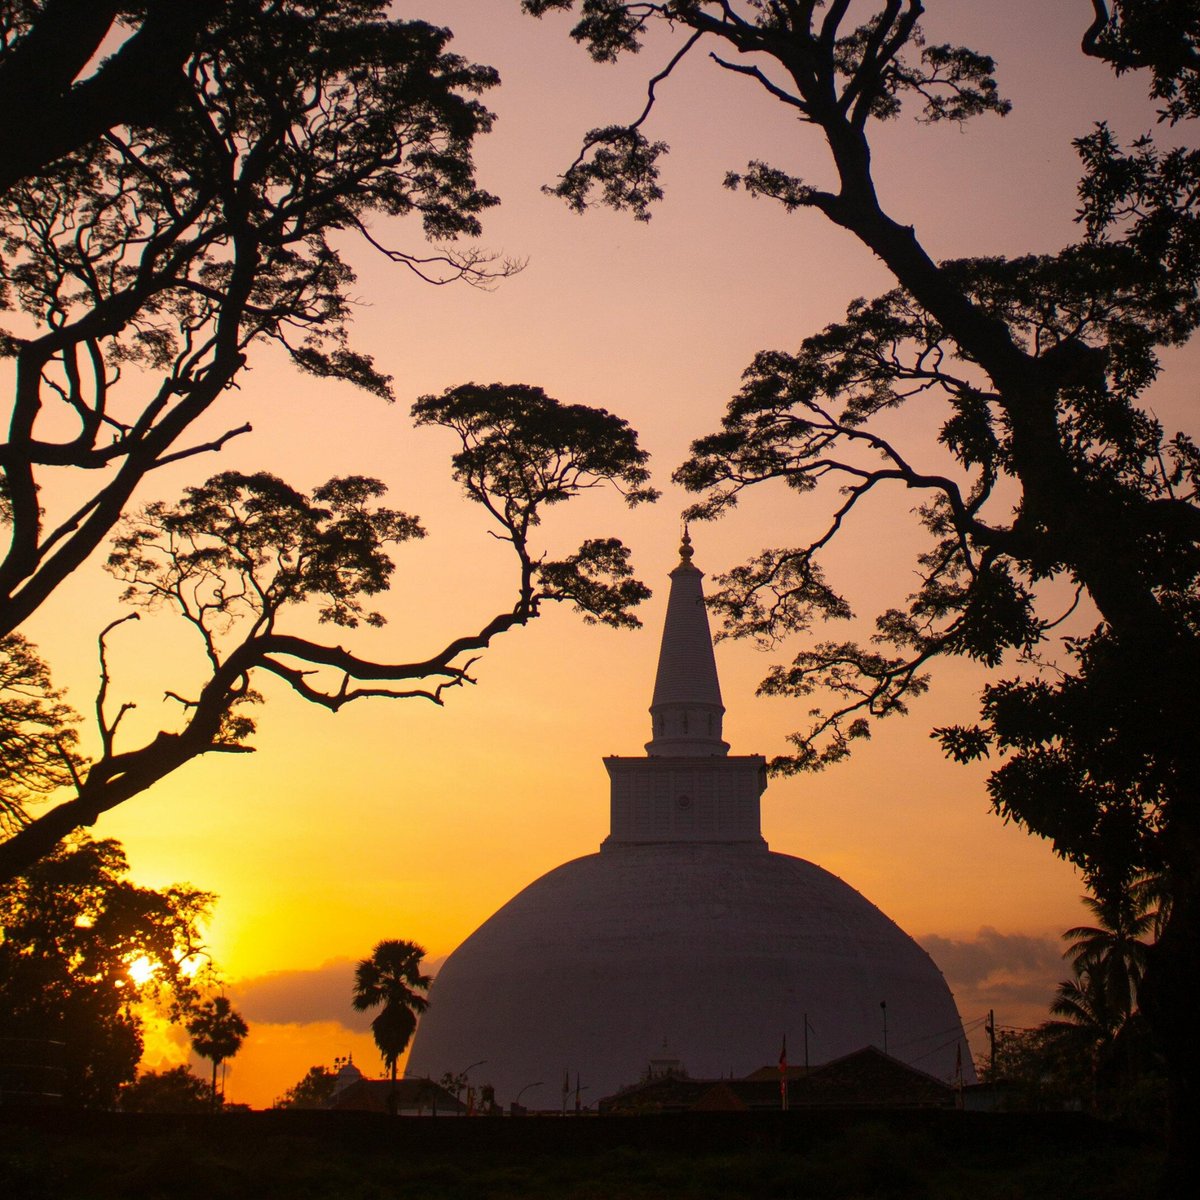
point(676, 59)
point(205, 447)
point(345, 694)
point(107, 730)
point(755, 73)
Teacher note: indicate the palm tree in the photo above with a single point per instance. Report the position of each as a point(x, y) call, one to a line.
point(392, 978)
point(217, 1032)
point(1151, 892)
point(1098, 1009)
point(1087, 1009)
point(1112, 953)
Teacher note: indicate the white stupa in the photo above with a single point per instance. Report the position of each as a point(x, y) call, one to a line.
point(685, 929)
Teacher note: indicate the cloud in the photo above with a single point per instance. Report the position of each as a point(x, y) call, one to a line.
point(1013, 974)
point(304, 997)
point(298, 1019)
point(995, 954)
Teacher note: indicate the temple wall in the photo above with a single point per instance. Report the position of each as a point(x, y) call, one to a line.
point(685, 799)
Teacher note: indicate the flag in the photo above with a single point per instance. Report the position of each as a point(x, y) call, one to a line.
point(783, 1079)
point(783, 1055)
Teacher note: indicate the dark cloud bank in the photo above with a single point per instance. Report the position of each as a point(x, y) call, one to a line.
point(1013, 973)
point(304, 997)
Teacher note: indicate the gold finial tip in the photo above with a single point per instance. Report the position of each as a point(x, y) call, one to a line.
point(685, 548)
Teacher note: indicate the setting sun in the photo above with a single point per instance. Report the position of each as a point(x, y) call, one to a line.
point(142, 969)
point(412, 408)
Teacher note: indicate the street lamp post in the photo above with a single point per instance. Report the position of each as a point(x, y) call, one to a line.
point(517, 1102)
point(463, 1077)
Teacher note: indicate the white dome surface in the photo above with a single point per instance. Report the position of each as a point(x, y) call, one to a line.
point(719, 948)
point(684, 930)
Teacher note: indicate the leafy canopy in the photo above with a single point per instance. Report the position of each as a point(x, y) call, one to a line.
point(391, 981)
point(81, 947)
point(216, 1029)
point(145, 264)
point(816, 67)
point(238, 555)
point(37, 733)
point(164, 211)
point(313, 1091)
point(252, 545)
point(148, 246)
point(523, 451)
point(174, 1090)
point(1054, 503)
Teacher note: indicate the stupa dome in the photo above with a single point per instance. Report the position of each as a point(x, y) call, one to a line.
point(347, 1075)
point(685, 929)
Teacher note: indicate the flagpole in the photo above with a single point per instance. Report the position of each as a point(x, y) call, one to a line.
point(783, 1079)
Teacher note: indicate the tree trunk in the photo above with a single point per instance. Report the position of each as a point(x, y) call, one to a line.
point(1167, 998)
point(141, 83)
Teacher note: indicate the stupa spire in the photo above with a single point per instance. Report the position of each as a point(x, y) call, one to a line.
point(686, 711)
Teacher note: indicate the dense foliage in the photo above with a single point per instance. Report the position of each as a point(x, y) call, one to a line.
point(38, 739)
point(175, 248)
point(313, 1091)
point(81, 947)
point(1052, 493)
point(174, 1090)
point(1095, 1052)
point(147, 246)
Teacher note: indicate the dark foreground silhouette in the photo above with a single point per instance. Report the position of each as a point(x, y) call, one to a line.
point(57, 1154)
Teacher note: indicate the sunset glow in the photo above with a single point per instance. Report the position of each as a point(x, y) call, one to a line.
point(142, 970)
point(415, 820)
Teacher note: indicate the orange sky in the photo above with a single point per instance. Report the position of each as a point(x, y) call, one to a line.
point(403, 820)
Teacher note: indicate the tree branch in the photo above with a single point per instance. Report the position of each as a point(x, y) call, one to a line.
point(108, 731)
point(204, 447)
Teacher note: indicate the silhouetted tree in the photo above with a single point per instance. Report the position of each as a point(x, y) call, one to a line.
point(38, 739)
point(1091, 1019)
point(55, 107)
point(1094, 1051)
point(455, 1084)
point(1099, 1020)
point(1115, 948)
point(1101, 1053)
point(145, 260)
point(313, 1091)
point(208, 233)
point(237, 553)
point(217, 1031)
point(391, 981)
point(1060, 472)
point(73, 933)
point(175, 1090)
point(1039, 1070)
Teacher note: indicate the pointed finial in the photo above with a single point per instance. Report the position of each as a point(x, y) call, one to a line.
point(685, 548)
